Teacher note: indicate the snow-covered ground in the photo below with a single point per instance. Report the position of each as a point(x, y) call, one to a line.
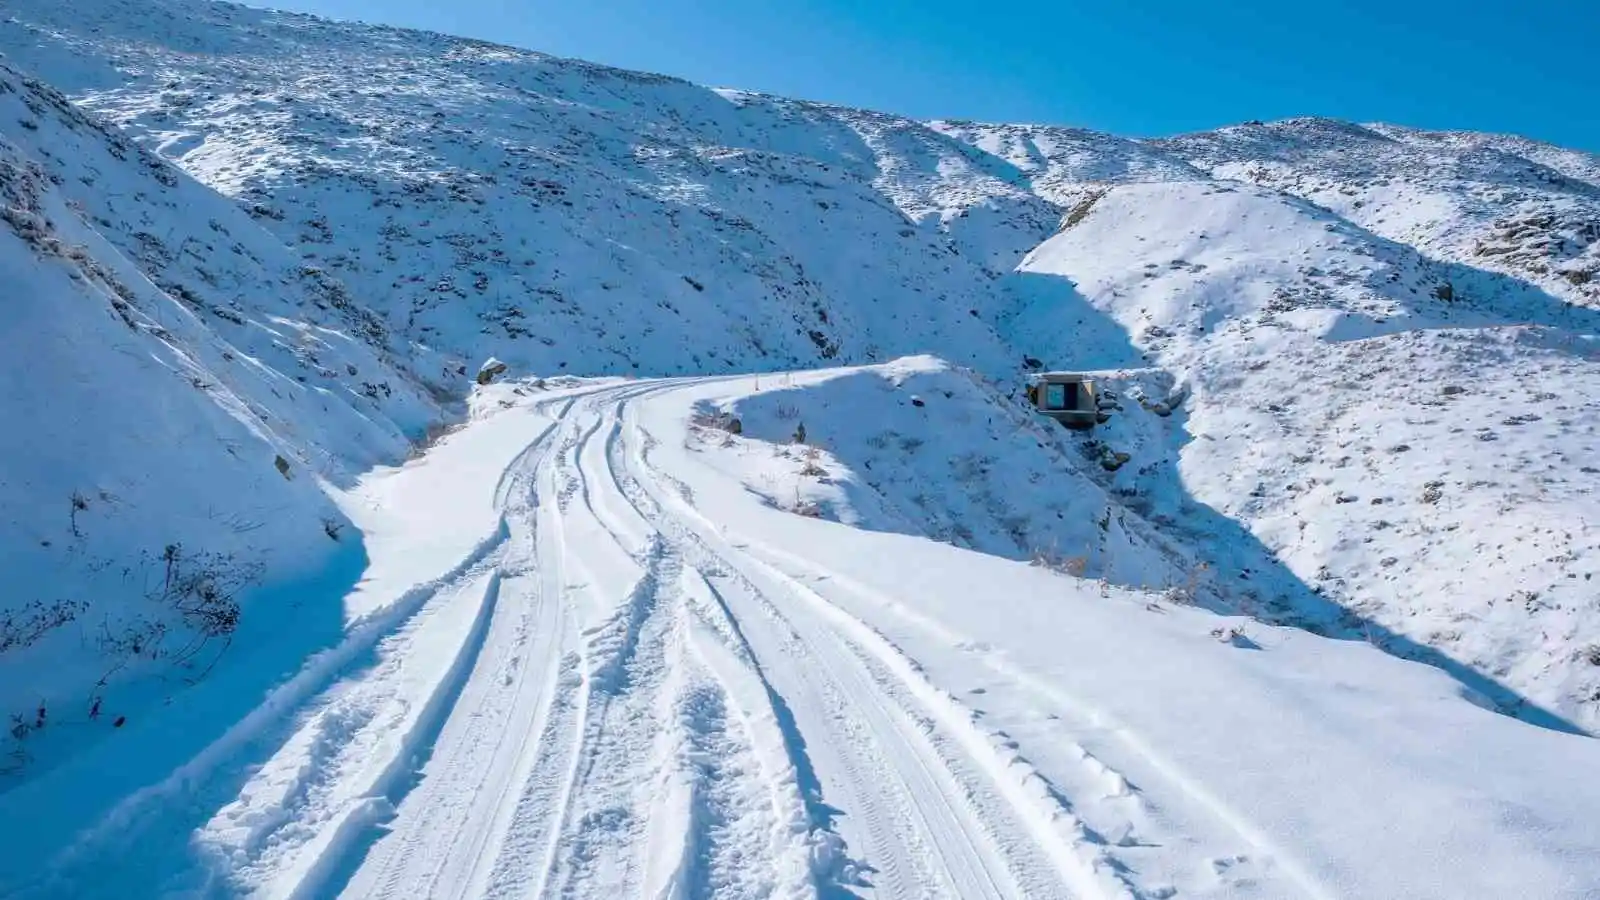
point(1311, 288)
point(893, 635)
point(591, 658)
point(569, 217)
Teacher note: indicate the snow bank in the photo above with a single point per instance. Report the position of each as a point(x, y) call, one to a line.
point(920, 447)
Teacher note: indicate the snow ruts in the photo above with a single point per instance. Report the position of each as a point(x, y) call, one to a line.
point(613, 697)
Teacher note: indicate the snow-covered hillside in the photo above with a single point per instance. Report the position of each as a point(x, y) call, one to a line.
point(568, 217)
point(1353, 374)
point(1502, 203)
point(175, 391)
point(1429, 466)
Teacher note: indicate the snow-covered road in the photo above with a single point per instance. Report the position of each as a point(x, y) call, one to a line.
point(634, 678)
point(632, 705)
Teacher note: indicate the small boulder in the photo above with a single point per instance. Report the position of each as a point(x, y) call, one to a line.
point(1113, 460)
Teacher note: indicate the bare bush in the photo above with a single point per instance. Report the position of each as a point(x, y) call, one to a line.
point(808, 508)
point(718, 421)
point(1231, 635)
point(80, 503)
point(804, 507)
point(202, 588)
point(21, 628)
point(1185, 594)
point(812, 468)
point(1074, 566)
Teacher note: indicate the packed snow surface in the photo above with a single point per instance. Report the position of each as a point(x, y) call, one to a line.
point(590, 658)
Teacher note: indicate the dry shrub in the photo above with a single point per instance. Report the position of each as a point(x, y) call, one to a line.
point(1074, 566)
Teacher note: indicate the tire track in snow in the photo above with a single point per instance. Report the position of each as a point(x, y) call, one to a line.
point(373, 798)
point(335, 807)
point(715, 822)
point(803, 839)
point(216, 774)
point(808, 856)
point(303, 821)
point(716, 826)
point(606, 807)
point(901, 859)
point(577, 822)
point(301, 809)
point(206, 779)
point(531, 824)
point(654, 719)
point(936, 836)
point(1091, 719)
point(456, 816)
point(924, 834)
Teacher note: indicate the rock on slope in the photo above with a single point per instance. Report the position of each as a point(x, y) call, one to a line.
point(174, 392)
point(1321, 293)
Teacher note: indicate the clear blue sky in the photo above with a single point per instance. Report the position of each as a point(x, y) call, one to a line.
point(1133, 67)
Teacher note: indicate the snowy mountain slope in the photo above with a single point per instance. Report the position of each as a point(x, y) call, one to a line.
point(570, 217)
point(635, 678)
point(1575, 164)
point(174, 396)
point(505, 201)
point(1504, 204)
point(1066, 164)
point(1427, 465)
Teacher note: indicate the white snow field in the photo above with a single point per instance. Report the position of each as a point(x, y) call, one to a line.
point(589, 659)
point(294, 607)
